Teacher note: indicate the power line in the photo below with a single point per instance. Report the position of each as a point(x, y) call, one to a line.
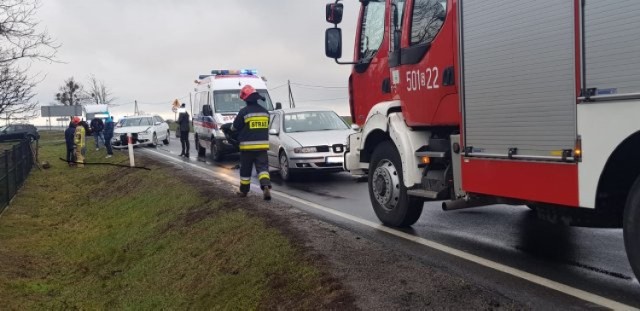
point(324, 99)
point(277, 87)
point(318, 86)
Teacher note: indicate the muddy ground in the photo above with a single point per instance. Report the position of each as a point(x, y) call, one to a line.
point(369, 275)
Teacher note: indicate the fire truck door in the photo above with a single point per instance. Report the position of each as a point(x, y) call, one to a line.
point(519, 77)
point(371, 76)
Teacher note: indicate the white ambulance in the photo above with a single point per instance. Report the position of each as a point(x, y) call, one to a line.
point(217, 102)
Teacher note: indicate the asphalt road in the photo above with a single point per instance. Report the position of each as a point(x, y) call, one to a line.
point(583, 259)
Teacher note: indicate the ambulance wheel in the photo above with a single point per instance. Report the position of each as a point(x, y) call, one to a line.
point(216, 153)
point(391, 203)
point(631, 230)
point(166, 140)
point(201, 151)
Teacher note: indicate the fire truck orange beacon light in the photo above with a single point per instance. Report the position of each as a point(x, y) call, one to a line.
point(425, 160)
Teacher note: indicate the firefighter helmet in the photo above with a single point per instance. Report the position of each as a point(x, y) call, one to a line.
point(246, 91)
point(76, 120)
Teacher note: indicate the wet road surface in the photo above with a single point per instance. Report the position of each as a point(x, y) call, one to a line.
point(591, 260)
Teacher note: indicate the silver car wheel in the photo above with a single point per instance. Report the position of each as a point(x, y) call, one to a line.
point(284, 167)
point(386, 185)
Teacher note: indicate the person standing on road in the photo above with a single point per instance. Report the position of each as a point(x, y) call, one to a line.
point(97, 126)
point(108, 135)
point(252, 125)
point(80, 141)
point(69, 135)
point(184, 127)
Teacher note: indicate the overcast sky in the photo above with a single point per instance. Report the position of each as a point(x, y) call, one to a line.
point(151, 51)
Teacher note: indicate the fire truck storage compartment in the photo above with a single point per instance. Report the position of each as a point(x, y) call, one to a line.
point(612, 52)
point(519, 84)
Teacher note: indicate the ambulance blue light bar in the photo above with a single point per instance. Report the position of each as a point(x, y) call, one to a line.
point(235, 72)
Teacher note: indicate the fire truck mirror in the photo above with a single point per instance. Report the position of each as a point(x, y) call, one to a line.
point(333, 43)
point(334, 13)
point(278, 105)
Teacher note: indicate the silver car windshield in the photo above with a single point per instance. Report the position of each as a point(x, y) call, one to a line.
point(137, 122)
point(229, 101)
point(313, 121)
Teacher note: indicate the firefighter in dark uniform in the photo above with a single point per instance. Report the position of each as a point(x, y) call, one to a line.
point(252, 125)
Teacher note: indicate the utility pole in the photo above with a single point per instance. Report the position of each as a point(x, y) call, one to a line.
point(136, 111)
point(292, 102)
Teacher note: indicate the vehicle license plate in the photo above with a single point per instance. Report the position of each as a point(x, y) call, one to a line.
point(334, 160)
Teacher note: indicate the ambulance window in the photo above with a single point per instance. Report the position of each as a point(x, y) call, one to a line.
point(428, 17)
point(372, 30)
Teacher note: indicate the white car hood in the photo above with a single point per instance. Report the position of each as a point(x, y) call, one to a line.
point(130, 129)
point(320, 138)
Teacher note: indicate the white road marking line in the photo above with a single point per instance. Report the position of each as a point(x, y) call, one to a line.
point(571, 291)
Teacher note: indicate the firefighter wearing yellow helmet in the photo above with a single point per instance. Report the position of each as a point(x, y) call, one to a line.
point(252, 125)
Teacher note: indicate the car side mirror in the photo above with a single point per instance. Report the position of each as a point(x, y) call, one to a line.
point(273, 132)
point(355, 127)
point(158, 123)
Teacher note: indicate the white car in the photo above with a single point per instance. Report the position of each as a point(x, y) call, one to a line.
point(146, 130)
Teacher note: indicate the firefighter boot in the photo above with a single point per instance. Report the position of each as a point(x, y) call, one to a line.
point(266, 193)
point(241, 194)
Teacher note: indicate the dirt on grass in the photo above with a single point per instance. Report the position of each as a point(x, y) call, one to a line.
point(106, 237)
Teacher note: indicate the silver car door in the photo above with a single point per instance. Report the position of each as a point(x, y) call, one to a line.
point(274, 140)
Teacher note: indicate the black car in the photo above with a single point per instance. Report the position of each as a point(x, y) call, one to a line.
point(19, 131)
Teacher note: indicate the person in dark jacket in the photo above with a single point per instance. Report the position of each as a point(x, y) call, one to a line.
point(108, 135)
point(183, 127)
point(97, 126)
point(252, 125)
point(69, 135)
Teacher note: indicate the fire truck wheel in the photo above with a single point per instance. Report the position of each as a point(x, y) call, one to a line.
point(201, 151)
point(391, 203)
point(215, 150)
point(631, 228)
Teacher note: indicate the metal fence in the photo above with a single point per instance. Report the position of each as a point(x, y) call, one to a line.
point(15, 165)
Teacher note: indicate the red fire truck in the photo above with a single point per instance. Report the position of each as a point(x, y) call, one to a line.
point(484, 102)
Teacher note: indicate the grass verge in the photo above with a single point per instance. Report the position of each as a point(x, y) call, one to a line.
point(110, 237)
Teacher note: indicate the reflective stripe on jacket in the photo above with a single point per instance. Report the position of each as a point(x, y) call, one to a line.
point(80, 137)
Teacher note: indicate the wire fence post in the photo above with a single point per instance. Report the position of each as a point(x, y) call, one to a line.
point(6, 176)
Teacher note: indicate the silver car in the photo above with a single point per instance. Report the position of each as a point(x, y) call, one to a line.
point(307, 140)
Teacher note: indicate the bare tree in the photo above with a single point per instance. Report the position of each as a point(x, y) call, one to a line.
point(72, 93)
point(20, 37)
point(16, 95)
point(99, 92)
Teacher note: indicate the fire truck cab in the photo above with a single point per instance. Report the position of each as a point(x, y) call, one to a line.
point(483, 102)
point(217, 102)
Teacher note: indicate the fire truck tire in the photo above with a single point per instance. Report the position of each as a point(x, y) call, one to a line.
point(201, 151)
point(631, 228)
point(216, 153)
point(391, 203)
